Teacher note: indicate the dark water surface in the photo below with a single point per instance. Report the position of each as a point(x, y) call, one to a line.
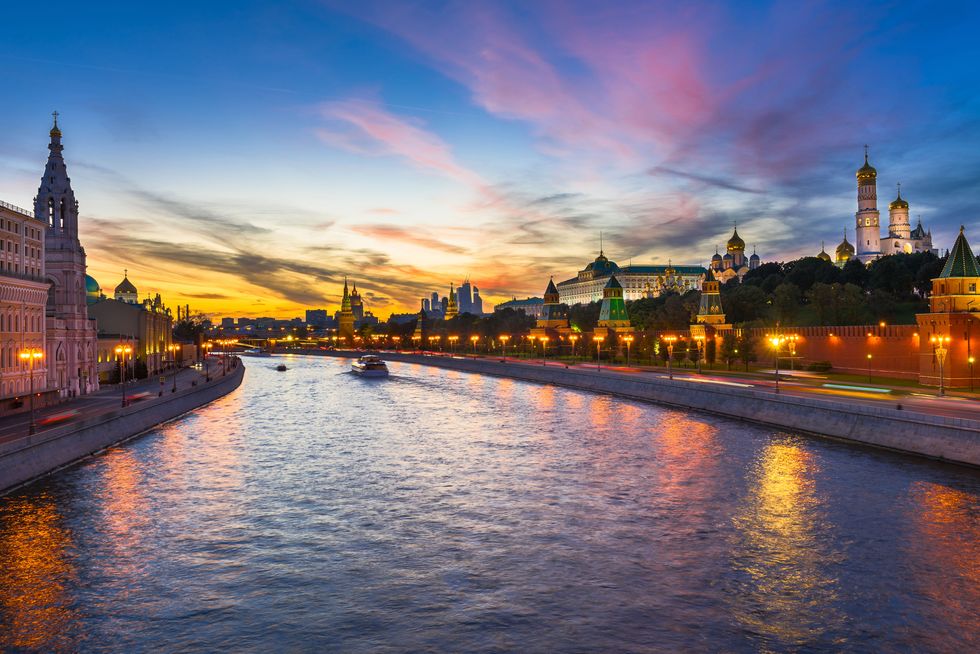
point(436, 511)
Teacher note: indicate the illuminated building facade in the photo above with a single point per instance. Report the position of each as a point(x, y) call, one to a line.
point(345, 320)
point(636, 282)
point(734, 263)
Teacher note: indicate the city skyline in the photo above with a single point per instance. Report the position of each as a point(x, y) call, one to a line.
point(406, 147)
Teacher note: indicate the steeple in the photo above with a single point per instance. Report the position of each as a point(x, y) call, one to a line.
point(55, 201)
point(345, 305)
point(961, 262)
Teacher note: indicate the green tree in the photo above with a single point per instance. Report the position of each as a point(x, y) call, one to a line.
point(729, 349)
point(746, 350)
point(786, 302)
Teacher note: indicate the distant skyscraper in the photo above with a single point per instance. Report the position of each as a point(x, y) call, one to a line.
point(435, 305)
point(464, 297)
point(356, 304)
point(477, 302)
point(425, 305)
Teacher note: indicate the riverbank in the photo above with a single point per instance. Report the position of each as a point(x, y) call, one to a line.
point(955, 440)
point(25, 459)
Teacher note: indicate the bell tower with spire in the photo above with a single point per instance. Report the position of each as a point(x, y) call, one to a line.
point(868, 230)
point(71, 335)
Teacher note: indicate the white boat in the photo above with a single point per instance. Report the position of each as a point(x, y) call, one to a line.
point(370, 365)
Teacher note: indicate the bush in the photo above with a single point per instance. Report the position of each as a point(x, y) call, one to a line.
point(819, 366)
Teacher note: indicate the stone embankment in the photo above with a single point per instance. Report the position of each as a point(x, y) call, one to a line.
point(937, 437)
point(28, 458)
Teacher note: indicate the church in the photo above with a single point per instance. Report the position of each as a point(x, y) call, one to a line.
point(869, 244)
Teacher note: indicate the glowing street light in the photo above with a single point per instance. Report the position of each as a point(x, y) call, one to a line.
point(775, 341)
point(628, 339)
point(122, 351)
point(598, 350)
point(869, 367)
point(544, 350)
point(31, 356)
point(474, 339)
point(699, 341)
point(573, 338)
point(452, 342)
point(670, 340)
point(174, 349)
point(503, 338)
point(940, 349)
point(970, 360)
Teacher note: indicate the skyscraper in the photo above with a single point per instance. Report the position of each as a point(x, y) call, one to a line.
point(464, 297)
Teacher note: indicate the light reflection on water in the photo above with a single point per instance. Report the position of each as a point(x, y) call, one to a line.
point(314, 510)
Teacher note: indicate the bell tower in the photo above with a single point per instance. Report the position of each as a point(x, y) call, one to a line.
point(868, 230)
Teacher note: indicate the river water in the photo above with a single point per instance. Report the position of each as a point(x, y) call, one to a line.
point(437, 511)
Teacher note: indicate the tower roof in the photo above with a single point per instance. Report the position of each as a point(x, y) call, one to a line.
point(613, 282)
point(552, 289)
point(736, 242)
point(899, 202)
point(823, 253)
point(961, 262)
point(867, 171)
point(55, 130)
point(126, 286)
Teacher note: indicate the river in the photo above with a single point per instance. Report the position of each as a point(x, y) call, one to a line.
point(313, 510)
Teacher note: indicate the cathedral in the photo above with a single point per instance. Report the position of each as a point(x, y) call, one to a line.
point(869, 244)
point(71, 336)
point(734, 263)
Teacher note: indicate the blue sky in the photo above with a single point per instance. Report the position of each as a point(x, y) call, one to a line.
point(243, 157)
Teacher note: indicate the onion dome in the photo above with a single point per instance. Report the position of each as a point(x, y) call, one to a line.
point(735, 243)
point(867, 171)
point(754, 257)
point(92, 290)
point(728, 256)
point(125, 286)
point(602, 266)
point(823, 253)
point(898, 202)
point(717, 257)
point(845, 250)
point(55, 131)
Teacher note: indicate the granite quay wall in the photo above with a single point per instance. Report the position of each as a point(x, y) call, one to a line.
point(950, 439)
point(28, 458)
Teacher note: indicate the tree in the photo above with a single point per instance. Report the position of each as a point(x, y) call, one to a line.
point(854, 272)
point(746, 350)
point(786, 302)
point(729, 349)
point(745, 303)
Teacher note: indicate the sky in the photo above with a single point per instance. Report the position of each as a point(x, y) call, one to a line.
point(243, 157)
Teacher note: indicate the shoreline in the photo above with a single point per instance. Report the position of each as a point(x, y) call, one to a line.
point(939, 438)
point(29, 458)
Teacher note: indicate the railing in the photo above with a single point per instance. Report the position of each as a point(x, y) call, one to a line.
point(14, 207)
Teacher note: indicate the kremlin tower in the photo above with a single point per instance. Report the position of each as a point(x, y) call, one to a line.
point(868, 232)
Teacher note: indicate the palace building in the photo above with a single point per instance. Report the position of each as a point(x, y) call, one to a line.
point(637, 281)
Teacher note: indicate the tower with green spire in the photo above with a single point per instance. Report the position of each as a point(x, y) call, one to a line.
point(346, 319)
point(452, 308)
point(612, 313)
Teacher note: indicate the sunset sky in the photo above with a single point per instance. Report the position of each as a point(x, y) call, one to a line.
point(244, 156)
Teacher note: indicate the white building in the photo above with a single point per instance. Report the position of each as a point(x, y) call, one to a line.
point(900, 238)
point(71, 336)
point(23, 293)
point(637, 281)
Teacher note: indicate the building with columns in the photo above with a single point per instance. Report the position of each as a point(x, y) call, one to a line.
point(23, 295)
point(636, 282)
point(71, 337)
point(901, 238)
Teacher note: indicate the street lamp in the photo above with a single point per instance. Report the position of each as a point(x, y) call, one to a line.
point(31, 355)
point(174, 349)
point(573, 338)
point(869, 368)
point(531, 338)
point(452, 342)
point(207, 361)
point(699, 341)
point(121, 352)
point(940, 349)
point(970, 361)
point(598, 350)
point(544, 350)
point(792, 338)
point(503, 344)
point(628, 339)
point(670, 340)
point(776, 341)
point(474, 339)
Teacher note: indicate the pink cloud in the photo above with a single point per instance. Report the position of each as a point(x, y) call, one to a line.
point(379, 132)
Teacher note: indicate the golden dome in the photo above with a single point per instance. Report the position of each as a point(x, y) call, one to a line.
point(823, 253)
point(845, 250)
point(735, 243)
point(898, 202)
point(867, 171)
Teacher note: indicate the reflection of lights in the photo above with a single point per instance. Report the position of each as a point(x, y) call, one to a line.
point(788, 593)
point(37, 612)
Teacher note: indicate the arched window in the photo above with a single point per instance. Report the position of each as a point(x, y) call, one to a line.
point(61, 216)
point(51, 217)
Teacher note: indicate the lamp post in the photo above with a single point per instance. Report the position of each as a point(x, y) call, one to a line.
point(670, 340)
point(939, 345)
point(573, 338)
point(174, 349)
point(699, 341)
point(598, 351)
point(474, 339)
point(121, 352)
point(544, 350)
point(776, 341)
point(531, 338)
point(207, 360)
point(792, 338)
point(869, 368)
point(452, 343)
point(970, 361)
point(503, 344)
point(31, 355)
point(628, 339)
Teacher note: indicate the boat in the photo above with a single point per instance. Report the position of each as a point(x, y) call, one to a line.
point(281, 367)
point(370, 365)
point(254, 352)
